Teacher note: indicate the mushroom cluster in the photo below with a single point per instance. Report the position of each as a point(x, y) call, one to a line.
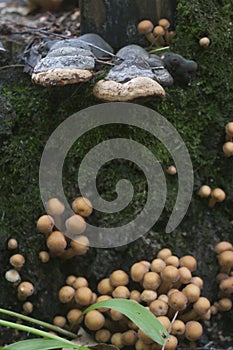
point(58, 243)
point(25, 289)
point(228, 145)
point(217, 195)
point(224, 278)
point(158, 35)
point(167, 286)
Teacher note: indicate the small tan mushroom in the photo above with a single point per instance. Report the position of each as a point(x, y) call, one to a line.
point(159, 32)
point(83, 296)
point(44, 256)
point(25, 289)
point(66, 294)
point(138, 271)
point(171, 343)
point(224, 304)
point(148, 296)
point(119, 278)
point(112, 91)
point(55, 206)
point(94, 320)
point(225, 260)
point(226, 285)
point(45, 224)
point(116, 339)
point(17, 261)
point(146, 27)
point(188, 261)
point(103, 335)
point(158, 307)
point(121, 292)
point(192, 292)
point(74, 316)
point(164, 253)
point(204, 42)
point(13, 276)
point(228, 149)
point(217, 196)
point(151, 280)
point(193, 330)
point(105, 286)
point(56, 243)
point(229, 129)
point(82, 206)
point(178, 328)
point(27, 308)
point(222, 246)
point(129, 337)
point(157, 265)
point(80, 282)
point(200, 308)
point(59, 321)
point(80, 245)
point(12, 244)
point(204, 191)
point(169, 275)
point(177, 301)
point(75, 224)
point(136, 295)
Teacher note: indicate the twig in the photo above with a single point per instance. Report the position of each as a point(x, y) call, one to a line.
point(12, 66)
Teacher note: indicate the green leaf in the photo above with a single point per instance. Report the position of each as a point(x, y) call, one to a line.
point(40, 344)
point(138, 314)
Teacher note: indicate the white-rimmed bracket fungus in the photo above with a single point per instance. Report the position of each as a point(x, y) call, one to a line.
point(25, 289)
point(17, 261)
point(204, 42)
point(12, 244)
point(146, 27)
point(217, 196)
point(82, 206)
point(204, 191)
point(138, 87)
point(64, 65)
point(45, 224)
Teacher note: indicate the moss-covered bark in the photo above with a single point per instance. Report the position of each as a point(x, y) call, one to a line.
point(199, 112)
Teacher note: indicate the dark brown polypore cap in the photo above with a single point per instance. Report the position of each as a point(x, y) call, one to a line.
point(65, 65)
point(109, 90)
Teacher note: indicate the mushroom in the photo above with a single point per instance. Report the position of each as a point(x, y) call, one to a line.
point(13, 276)
point(158, 307)
point(228, 149)
point(200, 308)
point(116, 339)
point(27, 308)
point(144, 337)
point(17, 261)
point(177, 301)
point(129, 337)
point(44, 256)
point(164, 253)
point(172, 260)
point(158, 33)
point(59, 321)
point(121, 292)
point(138, 87)
point(188, 261)
point(82, 206)
point(198, 281)
point(226, 285)
point(193, 330)
point(45, 224)
point(178, 328)
point(102, 298)
point(105, 286)
point(74, 316)
point(164, 320)
point(119, 278)
point(83, 296)
point(137, 271)
point(222, 246)
point(56, 243)
point(151, 280)
point(217, 196)
point(157, 265)
point(185, 277)
point(103, 335)
point(136, 295)
point(171, 343)
point(169, 275)
point(171, 170)
point(140, 345)
point(146, 27)
point(116, 315)
point(147, 296)
point(229, 129)
point(66, 294)
point(204, 191)
point(204, 42)
point(225, 260)
point(94, 320)
point(12, 244)
point(80, 282)
point(192, 292)
point(164, 22)
point(80, 245)
point(25, 289)
point(75, 224)
point(70, 280)
point(55, 206)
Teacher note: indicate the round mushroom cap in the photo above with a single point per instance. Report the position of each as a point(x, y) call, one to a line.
point(164, 22)
point(228, 149)
point(218, 194)
point(159, 30)
point(193, 330)
point(177, 301)
point(25, 289)
point(222, 246)
point(119, 278)
point(188, 261)
point(204, 42)
point(82, 206)
point(109, 90)
point(229, 129)
point(45, 224)
point(94, 320)
point(204, 191)
point(55, 206)
point(75, 224)
point(145, 27)
point(56, 242)
point(225, 258)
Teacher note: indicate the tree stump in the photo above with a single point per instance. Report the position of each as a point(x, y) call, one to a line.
point(116, 21)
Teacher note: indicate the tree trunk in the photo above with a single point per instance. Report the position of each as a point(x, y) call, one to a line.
point(116, 20)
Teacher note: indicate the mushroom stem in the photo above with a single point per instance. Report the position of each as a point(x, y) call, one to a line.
point(68, 254)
